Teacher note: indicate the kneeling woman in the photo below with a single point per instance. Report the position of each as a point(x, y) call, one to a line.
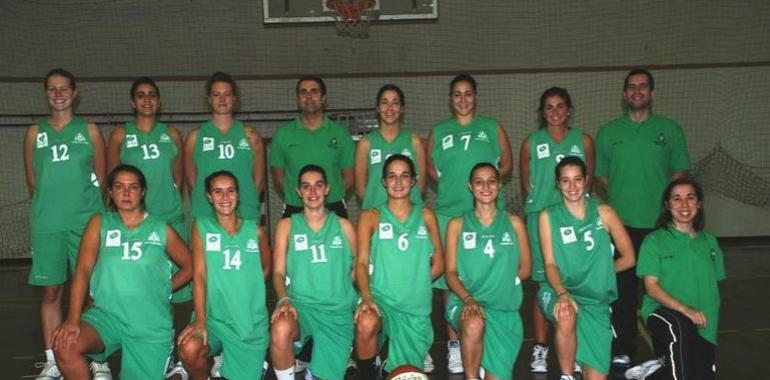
point(681, 266)
point(487, 257)
point(124, 261)
point(399, 255)
point(231, 257)
point(312, 276)
point(578, 256)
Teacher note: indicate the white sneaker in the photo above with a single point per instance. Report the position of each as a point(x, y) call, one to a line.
point(539, 362)
point(101, 371)
point(643, 370)
point(578, 368)
point(567, 377)
point(216, 368)
point(178, 370)
point(299, 365)
point(621, 361)
point(454, 358)
point(49, 371)
point(427, 364)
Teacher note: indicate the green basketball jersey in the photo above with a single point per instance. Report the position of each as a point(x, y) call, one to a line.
point(488, 262)
point(400, 262)
point(66, 187)
point(583, 252)
point(154, 154)
point(544, 154)
point(235, 288)
point(456, 149)
point(379, 151)
point(318, 266)
point(230, 151)
point(131, 280)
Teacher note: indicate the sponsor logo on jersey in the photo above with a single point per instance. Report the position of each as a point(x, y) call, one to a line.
point(482, 136)
point(131, 141)
point(447, 142)
point(469, 240)
point(300, 242)
point(333, 143)
point(213, 242)
point(506, 239)
point(660, 139)
point(375, 156)
point(386, 231)
point(208, 144)
point(164, 138)
point(252, 245)
point(568, 235)
point(42, 139)
point(422, 232)
point(543, 151)
point(154, 238)
point(336, 242)
point(243, 144)
point(575, 150)
point(112, 238)
point(80, 139)
point(406, 152)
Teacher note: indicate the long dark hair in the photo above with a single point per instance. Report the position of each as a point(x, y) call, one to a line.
point(553, 91)
point(665, 220)
point(123, 168)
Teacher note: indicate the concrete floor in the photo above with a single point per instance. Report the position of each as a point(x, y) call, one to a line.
point(744, 331)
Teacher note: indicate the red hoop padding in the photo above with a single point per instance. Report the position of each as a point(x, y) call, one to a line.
point(349, 11)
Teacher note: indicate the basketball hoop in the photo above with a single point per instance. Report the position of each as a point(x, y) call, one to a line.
point(352, 17)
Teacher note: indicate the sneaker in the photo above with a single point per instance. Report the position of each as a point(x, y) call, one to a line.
point(578, 368)
point(216, 368)
point(454, 358)
point(567, 377)
point(101, 371)
point(427, 364)
point(539, 363)
point(49, 371)
point(178, 371)
point(621, 361)
point(308, 375)
point(299, 365)
point(643, 370)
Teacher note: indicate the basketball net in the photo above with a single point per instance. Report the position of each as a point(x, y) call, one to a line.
point(352, 17)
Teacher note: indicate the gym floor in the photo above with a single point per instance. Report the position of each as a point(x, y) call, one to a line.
point(744, 330)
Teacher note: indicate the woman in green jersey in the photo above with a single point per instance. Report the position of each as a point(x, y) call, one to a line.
point(379, 144)
point(312, 276)
point(399, 254)
point(224, 143)
point(681, 266)
point(64, 165)
point(123, 264)
point(538, 156)
point(231, 259)
point(576, 238)
point(487, 258)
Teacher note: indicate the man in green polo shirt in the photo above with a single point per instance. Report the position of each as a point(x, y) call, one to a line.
point(637, 155)
point(312, 138)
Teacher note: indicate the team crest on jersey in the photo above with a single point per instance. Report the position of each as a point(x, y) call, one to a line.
point(506, 239)
point(42, 139)
point(482, 136)
point(660, 139)
point(112, 238)
point(213, 242)
point(599, 224)
point(469, 240)
point(131, 141)
point(300, 242)
point(94, 180)
point(243, 144)
point(252, 246)
point(447, 142)
point(79, 139)
point(375, 156)
point(164, 138)
point(575, 150)
point(208, 144)
point(336, 242)
point(154, 238)
point(386, 231)
point(333, 143)
point(406, 152)
point(422, 232)
point(543, 151)
point(568, 235)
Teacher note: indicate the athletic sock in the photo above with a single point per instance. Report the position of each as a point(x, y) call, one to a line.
point(49, 355)
point(284, 374)
point(367, 368)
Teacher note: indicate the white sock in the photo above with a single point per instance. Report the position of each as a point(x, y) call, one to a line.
point(49, 355)
point(284, 374)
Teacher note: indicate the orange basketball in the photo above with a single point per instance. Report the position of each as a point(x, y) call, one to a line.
point(406, 372)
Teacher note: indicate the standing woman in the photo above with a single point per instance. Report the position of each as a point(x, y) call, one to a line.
point(576, 237)
point(399, 254)
point(123, 264)
point(681, 266)
point(487, 258)
point(64, 165)
point(224, 143)
point(379, 144)
point(312, 276)
point(454, 146)
point(538, 156)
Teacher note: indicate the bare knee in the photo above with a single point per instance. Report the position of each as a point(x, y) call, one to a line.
point(52, 294)
point(566, 325)
point(192, 350)
point(282, 333)
point(473, 328)
point(367, 326)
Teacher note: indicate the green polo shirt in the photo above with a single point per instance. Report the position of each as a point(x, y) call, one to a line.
point(638, 160)
point(329, 146)
point(688, 269)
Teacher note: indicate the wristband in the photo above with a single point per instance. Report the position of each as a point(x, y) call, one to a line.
point(561, 294)
point(465, 299)
point(280, 301)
